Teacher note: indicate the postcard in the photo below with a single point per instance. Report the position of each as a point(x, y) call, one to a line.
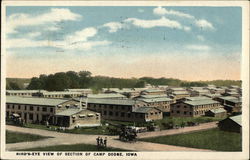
point(125, 80)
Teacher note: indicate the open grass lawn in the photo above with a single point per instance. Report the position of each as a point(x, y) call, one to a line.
point(179, 120)
point(14, 137)
point(75, 147)
point(213, 139)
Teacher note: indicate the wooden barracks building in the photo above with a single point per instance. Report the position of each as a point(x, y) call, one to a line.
point(124, 110)
point(66, 113)
point(193, 108)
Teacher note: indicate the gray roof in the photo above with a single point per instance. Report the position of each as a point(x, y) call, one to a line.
point(228, 98)
point(196, 98)
point(24, 91)
point(201, 102)
point(60, 93)
point(149, 100)
point(237, 119)
point(68, 112)
point(144, 109)
point(111, 101)
point(180, 92)
point(212, 95)
point(79, 90)
point(154, 96)
point(218, 110)
point(153, 90)
point(109, 95)
point(177, 89)
point(34, 101)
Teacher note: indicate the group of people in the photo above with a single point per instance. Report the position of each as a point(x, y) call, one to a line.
point(101, 142)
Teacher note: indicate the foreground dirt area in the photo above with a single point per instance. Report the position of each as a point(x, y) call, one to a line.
point(67, 139)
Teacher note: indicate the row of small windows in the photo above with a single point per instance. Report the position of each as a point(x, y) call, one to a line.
point(31, 108)
point(185, 112)
point(108, 106)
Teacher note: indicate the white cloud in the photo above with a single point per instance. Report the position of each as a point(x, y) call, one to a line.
point(201, 38)
point(54, 15)
point(202, 23)
point(34, 34)
point(113, 26)
point(186, 28)
point(81, 35)
point(79, 40)
point(198, 47)
point(163, 22)
point(163, 11)
point(87, 45)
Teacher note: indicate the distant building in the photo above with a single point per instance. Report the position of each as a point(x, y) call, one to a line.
point(199, 92)
point(107, 96)
point(152, 92)
point(24, 93)
point(231, 104)
point(179, 94)
point(231, 124)
point(194, 108)
point(84, 92)
point(197, 98)
point(58, 94)
point(161, 103)
point(152, 96)
point(219, 113)
point(171, 90)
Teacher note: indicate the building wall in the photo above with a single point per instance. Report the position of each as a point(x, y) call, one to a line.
point(217, 115)
point(163, 106)
point(229, 125)
point(121, 112)
point(186, 110)
point(35, 113)
point(31, 113)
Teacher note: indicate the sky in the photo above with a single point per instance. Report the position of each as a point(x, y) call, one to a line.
point(188, 43)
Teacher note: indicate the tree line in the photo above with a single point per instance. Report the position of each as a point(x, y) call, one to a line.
point(84, 79)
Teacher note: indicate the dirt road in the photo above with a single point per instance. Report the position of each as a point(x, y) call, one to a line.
point(67, 138)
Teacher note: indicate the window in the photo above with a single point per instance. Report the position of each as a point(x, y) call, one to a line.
point(31, 116)
point(177, 111)
point(110, 107)
point(44, 109)
point(156, 113)
point(25, 107)
point(19, 107)
point(37, 108)
point(51, 110)
point(8, 106)
point(190, 113)
point(31, 108)
point(122, 114)
point(141, 116)
point(172, 111)
point(13, 107)
point(129, 115)
point(151, 113)
point(185, 106)
point(110, 113)
point(185, 112)
point(123, 107)
point(116, 113)
point(178, 106)
point(105, 113)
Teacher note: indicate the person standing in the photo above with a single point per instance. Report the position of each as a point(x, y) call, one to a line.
point(98, 141)
point(105, 142)
point(101, 141)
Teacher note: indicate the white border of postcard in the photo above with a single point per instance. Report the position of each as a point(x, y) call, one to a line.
point(141, 155)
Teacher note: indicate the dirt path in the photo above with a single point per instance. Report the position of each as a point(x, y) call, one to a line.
point(67, 138)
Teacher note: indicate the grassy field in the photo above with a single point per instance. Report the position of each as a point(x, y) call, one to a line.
point(14, 137)
point(179, 120)
point(213, 139)
point(75, 147)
